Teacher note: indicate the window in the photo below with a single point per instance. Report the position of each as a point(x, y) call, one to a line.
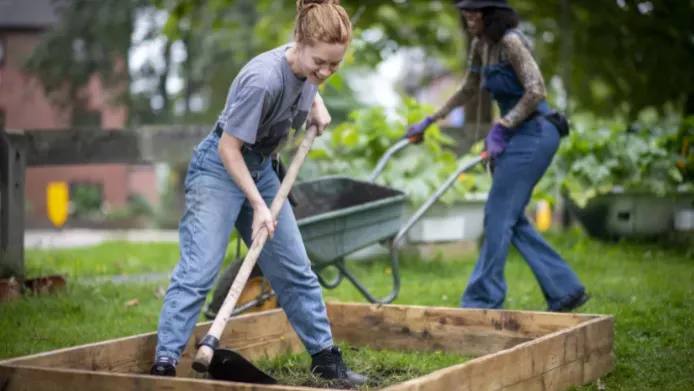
point(86, 118)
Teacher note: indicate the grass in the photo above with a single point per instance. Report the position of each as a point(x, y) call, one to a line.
point(384, 368)
point(647, 288)
point(82, 314)
point(109, 258)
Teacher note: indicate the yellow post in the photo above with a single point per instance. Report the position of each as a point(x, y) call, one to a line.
point(57, 199)
point(543, 216)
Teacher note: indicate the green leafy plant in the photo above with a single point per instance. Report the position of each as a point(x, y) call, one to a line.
point(601, 158)
point(86, 199)
point(354, 147)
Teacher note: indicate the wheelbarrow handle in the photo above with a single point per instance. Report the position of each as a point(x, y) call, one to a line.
point(210, 342)
point(386, 156)
point(395, 149)
point(466, 166)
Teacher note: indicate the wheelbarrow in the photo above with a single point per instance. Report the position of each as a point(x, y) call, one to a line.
point(338, 215)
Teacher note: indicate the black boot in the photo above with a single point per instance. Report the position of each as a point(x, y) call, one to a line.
point(328, 364)
point(163, 367)
point(576, 302)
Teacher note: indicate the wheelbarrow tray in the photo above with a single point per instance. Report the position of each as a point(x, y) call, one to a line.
point(338, 215)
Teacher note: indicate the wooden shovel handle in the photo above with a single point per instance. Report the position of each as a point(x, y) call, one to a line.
point(210, 342)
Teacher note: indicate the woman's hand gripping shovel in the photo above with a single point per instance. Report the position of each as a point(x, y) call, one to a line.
point(227, 364)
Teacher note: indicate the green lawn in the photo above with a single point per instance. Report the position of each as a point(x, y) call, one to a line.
point(109, 258)
point(648, 288)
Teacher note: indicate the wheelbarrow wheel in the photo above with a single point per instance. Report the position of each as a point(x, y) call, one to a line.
point(257, 288)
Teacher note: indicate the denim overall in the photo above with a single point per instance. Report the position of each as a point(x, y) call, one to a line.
point(214, 205)
point(529, 151)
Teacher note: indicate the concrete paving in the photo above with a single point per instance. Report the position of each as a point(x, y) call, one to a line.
point(75, 238)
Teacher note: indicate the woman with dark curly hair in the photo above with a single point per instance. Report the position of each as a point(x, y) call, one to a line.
point(522, 145)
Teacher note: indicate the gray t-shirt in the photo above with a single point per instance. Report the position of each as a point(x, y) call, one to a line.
point(266, 101)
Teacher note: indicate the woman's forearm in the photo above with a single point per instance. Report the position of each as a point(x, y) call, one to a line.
point(470, 85)
point(462, 95)
point(230, 154)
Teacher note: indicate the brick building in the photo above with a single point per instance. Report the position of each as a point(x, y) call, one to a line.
point(24, 106)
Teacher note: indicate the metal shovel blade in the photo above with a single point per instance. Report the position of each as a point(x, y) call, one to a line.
point(229, 365)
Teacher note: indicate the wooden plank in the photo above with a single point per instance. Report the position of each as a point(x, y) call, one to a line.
point(40, 379)
point(82, 146)
point(253, 335)
point(12, 163)
point(166, 143)
point(162, 143)
point(598, 353)
point(542, 364)
point(470, 332)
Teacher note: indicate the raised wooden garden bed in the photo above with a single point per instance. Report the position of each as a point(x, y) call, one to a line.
point(514, 350)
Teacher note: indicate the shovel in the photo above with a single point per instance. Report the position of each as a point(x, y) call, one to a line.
point(227, 364)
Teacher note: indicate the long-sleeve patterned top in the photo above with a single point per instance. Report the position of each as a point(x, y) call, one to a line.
point(513, 49)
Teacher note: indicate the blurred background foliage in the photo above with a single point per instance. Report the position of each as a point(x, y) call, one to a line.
point(624, 65)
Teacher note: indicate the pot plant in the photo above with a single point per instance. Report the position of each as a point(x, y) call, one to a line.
point(619, 182)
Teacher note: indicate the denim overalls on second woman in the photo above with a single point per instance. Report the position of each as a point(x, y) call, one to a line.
point(529, 151)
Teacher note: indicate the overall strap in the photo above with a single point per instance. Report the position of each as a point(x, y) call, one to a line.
point(485, 54)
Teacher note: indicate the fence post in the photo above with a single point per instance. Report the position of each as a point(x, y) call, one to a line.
point(12, 169)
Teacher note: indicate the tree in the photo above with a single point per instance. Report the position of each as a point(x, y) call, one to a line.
point(248, 29)
point(624, 55)
point(91, 38)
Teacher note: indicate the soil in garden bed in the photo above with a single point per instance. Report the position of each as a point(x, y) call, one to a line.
point(383, 367)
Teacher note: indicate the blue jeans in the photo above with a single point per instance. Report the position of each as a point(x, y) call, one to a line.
point(214, 205)
point(529, 152)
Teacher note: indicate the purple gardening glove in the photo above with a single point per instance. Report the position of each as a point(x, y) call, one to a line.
point(415, 133)
point(495, 143)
